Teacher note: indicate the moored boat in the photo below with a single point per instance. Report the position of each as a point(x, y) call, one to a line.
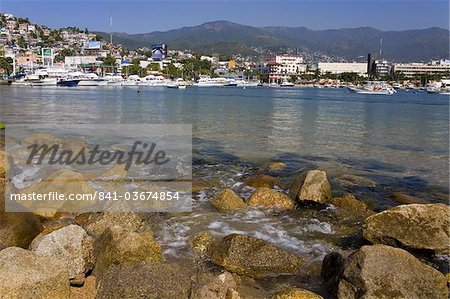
point(373, 87)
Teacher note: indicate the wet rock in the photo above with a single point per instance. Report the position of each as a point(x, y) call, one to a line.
point(75, 145)
point(25, 274)
point(146, 280)
point(277, 166)
point(316, 187)
point(203, 243)
point(70, 244)
point(228, 200)
point(116, 246)
point(254, 257)
point(258, 181)
point(218, 287)
point(296, 293)
point(65, 182)
point(381, 271)
point(198, 186)
point(349, 180)
point(17, 229)
point(405, 198)
point(117, 171)
point(297, 184)
point(87, 291)
point(352, 204)
point(42, 138)
point(97, 223)
point(6, 163)
point(267, 197)
point(414, 226)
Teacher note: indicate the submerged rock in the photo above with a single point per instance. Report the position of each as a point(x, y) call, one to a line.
point(352, 204)
point(217, 288)
point(405, 198)
point(70, 244)
point(146, 280)
point(25, 274)
point(17, 229)
point(228, 200)
point(117, 246)
point(42, 138)
point(118, 172)
point(316, 187)
point(349, 180)
point(277, 166)
point(296, 293)
point(414, 226)
point(381, 271)
point(258, 181)
point(267, 197)
point(254, 257)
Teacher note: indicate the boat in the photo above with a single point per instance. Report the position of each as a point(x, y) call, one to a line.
point(92, 79)
point(442, 87)
point(210, 82)
point(155, 81)
point(286, 83)
point(114, 80)
point(68, 82)
point(177, 84)
point(41, 80)
point(247, 83)
point(373, 87)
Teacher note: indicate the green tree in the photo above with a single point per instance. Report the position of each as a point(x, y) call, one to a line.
point(109, 61)
point(6, 64)
point(60, 57)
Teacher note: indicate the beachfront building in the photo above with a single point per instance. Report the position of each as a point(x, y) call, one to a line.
point(281, 67)
point(382, 67)
point(416, 69)
point(343, 67)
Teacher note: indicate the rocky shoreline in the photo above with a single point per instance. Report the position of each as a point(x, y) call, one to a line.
point(387, 253)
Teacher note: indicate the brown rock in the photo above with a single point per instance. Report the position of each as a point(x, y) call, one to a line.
point(228, 200)
point(405, 198)
point(270, 198)
point(18, 229)
point(97, 223)
point(203, 243)
point(24, 274)
point(254, 257)
point(381, 271)
point(217, 287)
point(297, 184)
point(42, 138)
point(349, 180)
point(413, 226)
point(87, 291)
point(258, 181)
point(352, 204)
point(117, 246)
point(316, 187)
point(296, 293)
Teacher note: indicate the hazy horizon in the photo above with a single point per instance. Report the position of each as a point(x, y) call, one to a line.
point(171, 15)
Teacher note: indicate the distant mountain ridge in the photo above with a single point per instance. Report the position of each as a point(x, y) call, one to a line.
point(227, 38)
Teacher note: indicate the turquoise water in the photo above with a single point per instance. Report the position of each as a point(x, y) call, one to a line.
point(403, 136)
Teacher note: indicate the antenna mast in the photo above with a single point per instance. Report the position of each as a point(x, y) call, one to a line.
point(110, 30)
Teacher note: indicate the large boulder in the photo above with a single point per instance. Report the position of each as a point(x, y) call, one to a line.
point(17, 229)
point(381, 271)
point(146, 280)
point(97, 223)
point(315, 187)
point(70, 244)
point(254, 257)
point(218, 287)
point(414, 226)
point(267, 197)
point(25, 274)
point(228, 200)
point(296, 293)
point(117, 246)
point(260, 180)
point(65, 182)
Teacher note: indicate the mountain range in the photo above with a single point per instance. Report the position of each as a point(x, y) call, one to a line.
point(229, 38)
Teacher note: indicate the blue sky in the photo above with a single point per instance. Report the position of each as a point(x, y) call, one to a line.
point(138, 16)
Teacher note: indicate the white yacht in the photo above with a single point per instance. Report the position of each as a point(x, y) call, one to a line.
point(210, 82)
point(374, 87)
point(114, 80)
point(155, 80)
point(177, 84)
point(131, 80)
point(92, 79)
point(286, 83)
point(442, 87)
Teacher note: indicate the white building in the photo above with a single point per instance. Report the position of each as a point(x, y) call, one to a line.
point(343, 67)
point(79, 60)
point(282, 66)
point(413, 69)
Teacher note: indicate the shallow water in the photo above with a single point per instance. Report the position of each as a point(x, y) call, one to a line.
point(399, 141)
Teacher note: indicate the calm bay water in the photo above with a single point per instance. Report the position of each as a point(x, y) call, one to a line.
point(405, 136)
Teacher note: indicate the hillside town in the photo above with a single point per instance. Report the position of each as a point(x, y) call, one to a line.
point(27, 48)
